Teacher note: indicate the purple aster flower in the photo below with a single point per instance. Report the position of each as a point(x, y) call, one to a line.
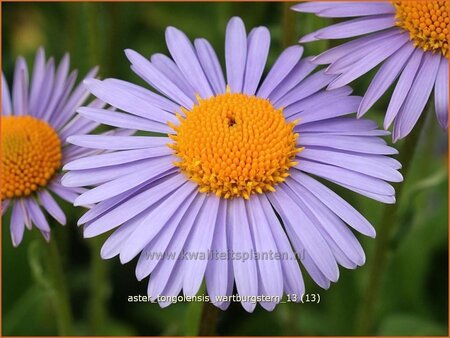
point(242, 155)
point(36, 119)
point(410, 41)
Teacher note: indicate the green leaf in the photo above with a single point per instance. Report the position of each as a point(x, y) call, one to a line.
point(24, 311)
point(403, 324)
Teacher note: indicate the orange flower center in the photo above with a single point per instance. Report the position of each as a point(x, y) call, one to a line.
point(234, 145)
point(427, 23)
point(31, 154)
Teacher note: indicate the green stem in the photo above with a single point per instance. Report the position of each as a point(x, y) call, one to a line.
point(289, 33)
point(208, 320)
point(60, 299)
point(385, 230)
point(100, 289)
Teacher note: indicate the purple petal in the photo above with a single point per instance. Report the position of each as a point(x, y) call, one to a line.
point(146, 70)
point(357, 9)
point(152, 98)
point(114, 244)
point(417, 97)
point(230, 287)
point(67, 89)
point(359, 163)
point(106, 205)
point(270, 269)
point(171, 288)
point(115, 158)
point(37, 79)
point(257, 51)
point(184, 55)
point(78, 125)
point(313, 270)
point(292, 276)
point(67, 194)
point(366, 50)
point(170, 69)
point(349, 48)
point(76, 99)
point(123, 120)
point(245, 271)
point(58, 87)
point(311, 85)
point(354, 27)
point(338, 125)
point(45, 91)
point(313, 6)
point(287, 60)
point(79, 178)
point(125, 183)
point(158, 218)
point(402, 88)
point(126, 100)
point(217, 269)
point(161, 269)
point(347, 177)
point(51, 206)
point(441, 94)
point(235, 53)
point(318, 219)
point(388, 199)
point(200, 241)
point(211, 65)
point(133, 206)
point(158, 256)
point(5, 205)
point(17, 224)
point(25, 213)
point(118, 142)
point(369, 61)
point(344, 9)
point(20, 88)
point(385, 76)
point(319, 100)
point(356, 144)
point(329, 223)
point(36, 214)
point(333, 107)
point(304, 232)
point(71, 153)
point(303, 68)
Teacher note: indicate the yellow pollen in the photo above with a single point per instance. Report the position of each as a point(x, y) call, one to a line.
point(31, 153)
point(427, 23)
point(234, 144)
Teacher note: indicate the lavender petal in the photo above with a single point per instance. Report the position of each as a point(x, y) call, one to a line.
point(211, 65)
point(235, 53)
point(403, 86)
point(257, 51)
point(417, 97)
point(287, 60)
point(441, 94)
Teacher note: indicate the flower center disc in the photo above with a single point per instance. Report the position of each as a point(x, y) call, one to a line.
point(234, 145)
point(427, 23)
point(31, 153)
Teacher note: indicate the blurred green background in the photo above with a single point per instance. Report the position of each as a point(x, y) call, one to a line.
point(413, 299)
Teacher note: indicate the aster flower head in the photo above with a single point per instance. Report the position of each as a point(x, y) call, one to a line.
point(36, 119)
point(409, 39)
point(241, 154)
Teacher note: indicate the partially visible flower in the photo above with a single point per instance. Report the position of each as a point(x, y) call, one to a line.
point(35, 121)
point(409, 39)
point(240, 156)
